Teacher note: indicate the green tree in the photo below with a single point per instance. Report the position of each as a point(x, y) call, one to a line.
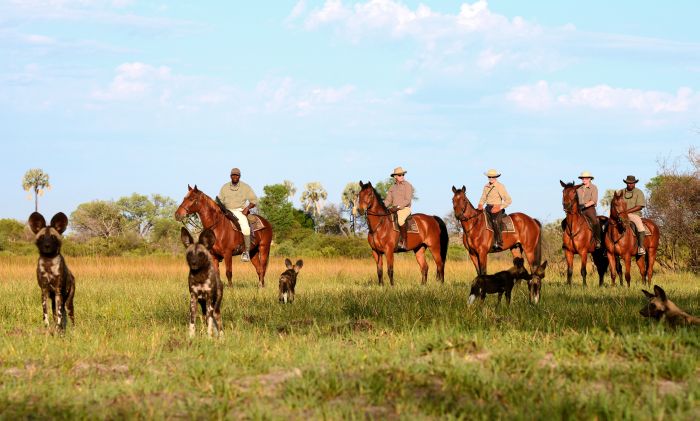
point(348, 203)
point(312, 199)
point(99, 218)
point(37, 181)
point(11, 230)
point(141, 212)
point(291, 190)
point(276, 208)
point(606, 200)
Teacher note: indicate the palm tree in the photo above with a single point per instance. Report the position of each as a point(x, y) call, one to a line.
point(312, 199)
point(349, 200)
point(291, 190)
point(36, 179)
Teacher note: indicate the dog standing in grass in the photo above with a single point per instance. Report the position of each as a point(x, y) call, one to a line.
point(500, 282)
point(288, 280)
point(204, 281)
point(660, 306)
point(55, 279)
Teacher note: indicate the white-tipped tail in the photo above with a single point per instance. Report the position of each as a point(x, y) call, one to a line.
point(471, 299)
point(284, 297)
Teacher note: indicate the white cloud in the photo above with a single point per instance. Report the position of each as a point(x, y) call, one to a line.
point(135, 81)
point(38, 39)
point(285, 94)
point(543, 96)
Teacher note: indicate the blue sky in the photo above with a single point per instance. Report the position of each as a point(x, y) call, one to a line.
point(112, 97)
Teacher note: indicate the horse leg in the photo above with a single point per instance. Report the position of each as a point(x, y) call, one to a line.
point(651, 258)
point(390, 266)
point(642, 265)
point(612, 262)
point(569, 265)
point(259, 268)
point(482, 256)
point(228, 262)
point(584, 262)
point(628, 266)
point(435, 251)
point(380, 269)
point(475, 260)
point(420, 257)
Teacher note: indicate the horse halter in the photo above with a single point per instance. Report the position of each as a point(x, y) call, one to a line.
point(460, 217)
point(367, 211)
point(187, 209)
point(568, 207)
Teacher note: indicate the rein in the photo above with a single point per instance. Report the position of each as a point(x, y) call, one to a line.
point(463, 219)
point(372, 213)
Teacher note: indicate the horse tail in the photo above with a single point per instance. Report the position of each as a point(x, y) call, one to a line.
point(444, 238)
point(538, 246)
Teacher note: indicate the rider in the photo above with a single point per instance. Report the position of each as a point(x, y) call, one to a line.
point(587, 198)
point(496, 199)
point(234, 196)
point(398, 200)
point(634, 198)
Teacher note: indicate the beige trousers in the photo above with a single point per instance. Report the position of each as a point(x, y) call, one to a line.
point(242, 220)
point(637, 221)
point(402, 214)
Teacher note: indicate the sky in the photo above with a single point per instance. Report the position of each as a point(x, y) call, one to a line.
point(112, 97)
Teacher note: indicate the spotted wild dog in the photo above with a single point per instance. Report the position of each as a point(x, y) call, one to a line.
point(534, 284)
point(288, 280)
point(204, 281)
point(55, 279)
point(500, 282)
point(660, 306)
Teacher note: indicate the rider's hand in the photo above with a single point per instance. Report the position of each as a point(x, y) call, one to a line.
point(245, 211)
point(495, 209)
point(481, 206)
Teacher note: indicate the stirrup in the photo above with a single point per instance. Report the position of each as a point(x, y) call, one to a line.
point(245, 257)
point(641, 251)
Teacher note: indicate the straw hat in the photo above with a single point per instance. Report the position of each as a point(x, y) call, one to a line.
point(398, 171)
point(492, 173)
point(586, 174)
point(630, 179)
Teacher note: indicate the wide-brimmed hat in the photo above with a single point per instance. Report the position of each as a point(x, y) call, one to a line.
point(235, 171)
point(630, 179)
point(586, 174)
point(492, 173)
point(398, 171)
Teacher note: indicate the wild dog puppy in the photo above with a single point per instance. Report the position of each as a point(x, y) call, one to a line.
point(534, 284)
point(204, 281)
point(500, 282)
point(288, 280)
point(55, 279)
point(660, 306)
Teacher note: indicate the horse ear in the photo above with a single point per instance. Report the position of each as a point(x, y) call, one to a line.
point(660, 292)
point(195, 188)
point(361, 184)
point(186, 237)
point(207, 238)
point(59, 222)
point(288, 263)
point(562, 184)
point(454, 190)
point(464, 189)
point(648, 294)
point(298, 265)
point(189, 188)
point(36, 222)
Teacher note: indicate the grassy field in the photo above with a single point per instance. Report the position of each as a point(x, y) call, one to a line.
point(346, 348)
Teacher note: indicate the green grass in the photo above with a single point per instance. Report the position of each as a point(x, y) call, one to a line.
point(346, 348)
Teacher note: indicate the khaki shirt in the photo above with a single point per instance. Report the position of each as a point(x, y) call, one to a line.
point(634, 198)
point(400, 194)
point(235, 197)
point(587, 194)
point(495, 194)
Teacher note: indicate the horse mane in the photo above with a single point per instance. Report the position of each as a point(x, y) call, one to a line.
point(211, 201)
point(378, 197)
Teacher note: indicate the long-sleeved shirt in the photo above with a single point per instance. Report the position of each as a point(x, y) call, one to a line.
point(400, 194)
point(495, 194)
point(633, 198)
point(235, 197)
point(587, 194)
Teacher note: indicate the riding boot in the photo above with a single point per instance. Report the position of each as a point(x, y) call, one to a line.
point(246, 241)
point(640, 243)
point(596, 232)
point(496, 222)
point(403, 235)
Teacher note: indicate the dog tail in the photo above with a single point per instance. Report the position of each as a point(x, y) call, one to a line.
point(444, 238)
point(538, 246)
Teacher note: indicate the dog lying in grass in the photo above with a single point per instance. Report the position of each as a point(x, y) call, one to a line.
point(500, 282)
point(660, 306)
point(288, 280)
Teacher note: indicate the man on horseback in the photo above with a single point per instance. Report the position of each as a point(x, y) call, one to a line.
point(634, 198)
point(496, 199)
point(234, 196)
point(587, 198)
point(398, 200)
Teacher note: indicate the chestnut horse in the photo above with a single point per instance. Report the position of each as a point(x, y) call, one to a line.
point(477, 239)
point(621, 241)
point(382, 238)
point(577, 236)
point(229, 242)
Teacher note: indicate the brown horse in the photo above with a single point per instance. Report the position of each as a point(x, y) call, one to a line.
point(621, 241)
point(577, 236)
point(229, 242)
point(382, 238)
point(478, 239)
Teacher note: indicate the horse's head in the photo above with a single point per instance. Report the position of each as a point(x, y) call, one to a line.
point(618, 210)
point(568, 197)
point(366, 197)
point(534, 284)
point(459, 202)
point(190, 204)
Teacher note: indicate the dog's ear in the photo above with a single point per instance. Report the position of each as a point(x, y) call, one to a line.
point(36, 222)
point(207, 238)
point(648, 294)
point(539, 270)
point(660, 292)
point(59, 222)
point(186, 237)
point(298, 265)
point(288, 263)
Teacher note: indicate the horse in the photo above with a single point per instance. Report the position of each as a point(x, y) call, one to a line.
point(621, 241)
point(229, 242)
point(577, 236)
point(477, 238)
point(382, 237)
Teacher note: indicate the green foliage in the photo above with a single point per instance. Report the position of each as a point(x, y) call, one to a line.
point(322, 245)
point(99, 218)
point(283, 217)
point(11, 230)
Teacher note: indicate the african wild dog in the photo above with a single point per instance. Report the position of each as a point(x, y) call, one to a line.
point(204, 281)
point(534, 284)
point(500, 282)
point(660, 306)
point(288, 280)
point(55, 279)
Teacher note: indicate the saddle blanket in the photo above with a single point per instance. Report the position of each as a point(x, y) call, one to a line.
point(411, 223)
point(506, 222)
point(647, 230)
point(254, 222)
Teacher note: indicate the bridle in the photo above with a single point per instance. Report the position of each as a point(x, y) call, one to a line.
point(371, 213)
point(189, 212)
point(464, 219)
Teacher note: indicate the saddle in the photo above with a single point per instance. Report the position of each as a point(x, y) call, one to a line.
point(410, 224)
point(253, 220)
point(506, 223)
point(647, 228)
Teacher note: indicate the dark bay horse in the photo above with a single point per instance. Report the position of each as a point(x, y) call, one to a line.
point(621, 241)
point(577, 236)
point(478, 239)
point(229, 242)
point(382, 238)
